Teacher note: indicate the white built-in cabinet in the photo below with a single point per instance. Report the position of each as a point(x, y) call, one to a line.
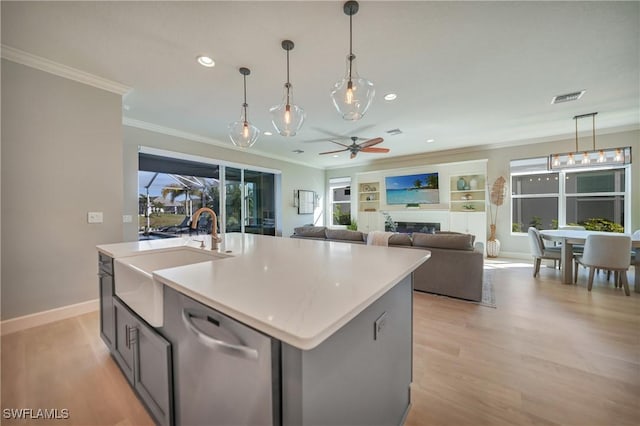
point(470, 223)
point(370, 221)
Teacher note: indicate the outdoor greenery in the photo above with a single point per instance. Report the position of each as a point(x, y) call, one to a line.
point(599, 224)
point(353, 226)
point(340, 218)
point(593, 224)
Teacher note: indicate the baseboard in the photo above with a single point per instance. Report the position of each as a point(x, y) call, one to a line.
point(45, 317)
point(513, 255)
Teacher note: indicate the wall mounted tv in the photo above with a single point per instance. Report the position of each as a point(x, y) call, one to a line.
point(412, 189)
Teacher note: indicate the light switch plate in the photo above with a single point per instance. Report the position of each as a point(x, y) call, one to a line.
point(127, 218)
point(94, 217)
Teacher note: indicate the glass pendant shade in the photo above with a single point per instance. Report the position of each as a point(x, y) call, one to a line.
point(352, 96)
point(286, 117)
point(242, 133)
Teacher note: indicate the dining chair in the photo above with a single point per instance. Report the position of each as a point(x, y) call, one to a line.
point(539, 251)
point(572, 228)
point(610, 252)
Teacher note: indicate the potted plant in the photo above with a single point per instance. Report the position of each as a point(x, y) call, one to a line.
point(496, 199)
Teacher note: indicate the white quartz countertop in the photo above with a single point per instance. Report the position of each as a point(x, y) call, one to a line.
point(298, 291)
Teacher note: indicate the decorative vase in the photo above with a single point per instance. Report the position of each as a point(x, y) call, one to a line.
point(493, 248)
point(473, 183)
point(493, 244)
point(461, 184)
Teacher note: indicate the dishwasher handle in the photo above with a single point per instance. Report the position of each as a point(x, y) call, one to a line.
point(213, 343)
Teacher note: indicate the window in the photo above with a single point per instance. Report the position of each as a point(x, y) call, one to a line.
point(340, 201)
point(172, 189)
point(594, 198)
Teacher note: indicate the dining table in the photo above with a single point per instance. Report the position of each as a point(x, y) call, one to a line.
point(571, 237)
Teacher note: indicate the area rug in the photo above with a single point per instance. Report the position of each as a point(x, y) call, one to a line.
point(488, 296)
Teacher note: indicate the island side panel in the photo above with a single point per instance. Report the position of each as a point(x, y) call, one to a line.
point(354, 377)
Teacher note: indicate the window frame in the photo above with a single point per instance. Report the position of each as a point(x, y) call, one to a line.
point(562, 194)
point(335, 183)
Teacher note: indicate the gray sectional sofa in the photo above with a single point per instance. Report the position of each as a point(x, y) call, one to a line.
point(454, 269)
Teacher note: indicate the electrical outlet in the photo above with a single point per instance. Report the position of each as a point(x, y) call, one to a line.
point(94, 217)
point(379, 325)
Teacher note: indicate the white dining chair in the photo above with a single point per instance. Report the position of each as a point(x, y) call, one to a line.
point(539, 251)
point(609, 252)
point(572, 228)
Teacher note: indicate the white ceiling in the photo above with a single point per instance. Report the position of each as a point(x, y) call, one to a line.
point(466, 73)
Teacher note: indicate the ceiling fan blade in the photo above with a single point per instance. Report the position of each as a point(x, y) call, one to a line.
point(379, 150)
point(332, 152)
point(353, 155)
point(371, 142)
point(339, 143)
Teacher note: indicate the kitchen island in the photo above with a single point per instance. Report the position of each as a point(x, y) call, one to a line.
point(338, 318)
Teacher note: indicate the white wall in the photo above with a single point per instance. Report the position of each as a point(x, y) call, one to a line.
point(498, 165)
point(293, 177)
point(61, 158)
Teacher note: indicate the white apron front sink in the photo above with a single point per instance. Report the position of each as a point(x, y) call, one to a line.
point(134, 283)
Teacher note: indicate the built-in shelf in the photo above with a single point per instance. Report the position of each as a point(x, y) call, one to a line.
point(369, 196)
point(467, 193)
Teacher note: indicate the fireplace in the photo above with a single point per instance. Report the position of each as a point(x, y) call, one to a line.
point(410, 227)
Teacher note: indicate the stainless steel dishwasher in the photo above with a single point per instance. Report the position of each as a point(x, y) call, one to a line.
point(225, 373)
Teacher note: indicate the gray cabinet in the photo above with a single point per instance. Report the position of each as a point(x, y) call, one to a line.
point(145, 359)
point(106, 291)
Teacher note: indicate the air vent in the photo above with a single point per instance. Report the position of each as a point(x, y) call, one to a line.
point(394, 132)
point(298, 151)
point(568, 97)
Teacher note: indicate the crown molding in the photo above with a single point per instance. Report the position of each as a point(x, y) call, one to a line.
point(145, 125)
point(21, 57)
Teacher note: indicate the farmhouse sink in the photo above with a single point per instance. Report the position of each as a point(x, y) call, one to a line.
point(134, 283)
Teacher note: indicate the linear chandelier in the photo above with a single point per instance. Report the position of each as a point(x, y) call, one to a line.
point(604, 157)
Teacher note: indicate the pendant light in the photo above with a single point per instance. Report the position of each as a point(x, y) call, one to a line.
point(243, 134)
point(287, 118)
point(352, 95)
point(594, 158)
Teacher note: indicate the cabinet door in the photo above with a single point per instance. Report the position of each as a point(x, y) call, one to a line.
point(152, 377)
point(125, 328)
point(107, 317)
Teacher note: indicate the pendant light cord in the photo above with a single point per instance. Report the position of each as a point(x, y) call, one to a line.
point(288, 85)
point(350, 42)
point(245, 105)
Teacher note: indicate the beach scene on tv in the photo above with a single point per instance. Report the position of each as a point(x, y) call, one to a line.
point(412, 189)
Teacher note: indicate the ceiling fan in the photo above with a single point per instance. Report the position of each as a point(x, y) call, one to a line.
point(355, 148)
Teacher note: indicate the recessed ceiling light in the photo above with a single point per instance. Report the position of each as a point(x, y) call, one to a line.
point(267, 133)
point(206, 61)
point(335, 156)
point(430, 140)
point(390, 97)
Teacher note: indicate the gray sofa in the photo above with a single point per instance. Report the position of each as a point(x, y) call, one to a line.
point(455, 268)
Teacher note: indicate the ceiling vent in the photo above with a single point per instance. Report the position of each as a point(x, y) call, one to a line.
point(298, 151)
point(394, 132)
point(568, 97)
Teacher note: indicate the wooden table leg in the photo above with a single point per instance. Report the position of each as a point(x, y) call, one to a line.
point(567, 262)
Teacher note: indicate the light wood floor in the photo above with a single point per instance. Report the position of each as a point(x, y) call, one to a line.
point(548, 354)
